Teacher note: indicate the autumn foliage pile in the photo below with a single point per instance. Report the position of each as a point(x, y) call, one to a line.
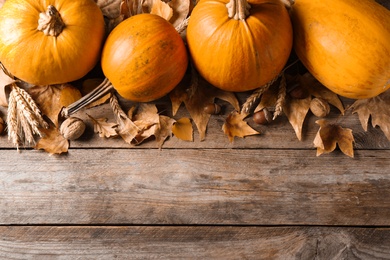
point(286, 58)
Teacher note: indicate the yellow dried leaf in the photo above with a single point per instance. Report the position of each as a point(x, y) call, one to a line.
point(147, 120)
point(52, 141)
point(52, 98)
point(103, 128)
point(162, 9)
point(296, 111)
point(181, 10)
point(331, 135)
point(378, 108)
point(236, 126)
point(182, 129)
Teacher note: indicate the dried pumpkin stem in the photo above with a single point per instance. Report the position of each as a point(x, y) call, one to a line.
point(238, 9)
point(50, 22)
point(104, 88)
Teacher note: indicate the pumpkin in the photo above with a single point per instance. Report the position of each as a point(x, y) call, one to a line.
point(47, 42)
point(344, 44)
point(144, 58)
point(237, 47)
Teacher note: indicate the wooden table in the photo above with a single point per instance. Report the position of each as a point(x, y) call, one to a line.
point(261, 197)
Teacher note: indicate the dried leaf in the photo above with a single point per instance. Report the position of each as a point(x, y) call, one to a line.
point(196, 97)
point(378, 108)
point(103, 128)
point(181, 10)
point(162, 9)
point(331, 135)
point(110, 8)
point(296, 111)
point(164, 131)
point(5, 82)
point(147, 120)
point(316, 89)
point(52, 98)
point(182, 129)
point(236, 126)
point(52, 141)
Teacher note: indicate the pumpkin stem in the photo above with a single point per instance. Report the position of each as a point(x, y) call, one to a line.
point(50, 22)
point(104, 88)
point(238, 9)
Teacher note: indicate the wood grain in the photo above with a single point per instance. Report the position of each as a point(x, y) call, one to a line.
point(195, 186)
point(201, 242)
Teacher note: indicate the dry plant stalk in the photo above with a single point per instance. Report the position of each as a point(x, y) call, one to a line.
point(281, 100)
point(23, 117)
point(119, 114)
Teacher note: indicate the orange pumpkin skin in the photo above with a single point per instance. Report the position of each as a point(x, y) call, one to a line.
point(344, 44)
point(144, 58)
point(237, 55)
point(41, 59)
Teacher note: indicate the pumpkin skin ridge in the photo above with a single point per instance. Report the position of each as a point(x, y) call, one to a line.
point(209, 62)
point(360, 70)
point(147, 71)
point(48, 68)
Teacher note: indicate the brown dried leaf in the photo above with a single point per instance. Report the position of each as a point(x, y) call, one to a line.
point(165, 130)
point(52, 141)
point(378, 108)
point(182, 129)
point(103, 128)
point(296, 111)
point(147, 120)
point(330, 135)
point(316, 89)
point(52, 98)
point(181, 10)
point(162, 9)
point(110, 8)
point(236, 126)
point(196, 97)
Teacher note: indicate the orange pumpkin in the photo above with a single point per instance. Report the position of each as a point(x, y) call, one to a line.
point(144, 58)
point(237, 48)
point(344, 44)
point(50, 41)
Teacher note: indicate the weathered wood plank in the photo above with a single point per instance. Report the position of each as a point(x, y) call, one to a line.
point(203, 242)
point(195, 186)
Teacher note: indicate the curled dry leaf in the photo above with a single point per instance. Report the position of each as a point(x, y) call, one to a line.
point(162, 9)
point(182, 129)
point(378, 108)
point(111, 10)
point(236, 126)
point(165, 130)
point(52, 98)
point(52, 141)
point(147, 120)
point(104, 128)
point(331, 135)
point(197, 94)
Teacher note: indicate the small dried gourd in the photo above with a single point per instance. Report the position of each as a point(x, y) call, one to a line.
point(50, 42)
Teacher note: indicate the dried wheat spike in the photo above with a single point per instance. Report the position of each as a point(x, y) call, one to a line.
point(12, 120)
point(281, 97)
point(116, 108)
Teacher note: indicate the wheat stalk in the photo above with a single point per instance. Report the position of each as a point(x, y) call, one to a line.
point(12, 120)
point(116, 108)
point(281, 97)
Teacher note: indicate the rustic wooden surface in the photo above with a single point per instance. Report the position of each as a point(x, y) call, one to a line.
point(261, 197)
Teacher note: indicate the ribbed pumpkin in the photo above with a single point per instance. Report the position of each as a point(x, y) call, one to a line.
point(236, 47)
point(345, 44)
point(50, 41)
point(144, 58)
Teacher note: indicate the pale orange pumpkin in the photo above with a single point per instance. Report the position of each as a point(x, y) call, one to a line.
point(345, 44)
point(50, 41)
point(236, 47)
point(143, 59)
